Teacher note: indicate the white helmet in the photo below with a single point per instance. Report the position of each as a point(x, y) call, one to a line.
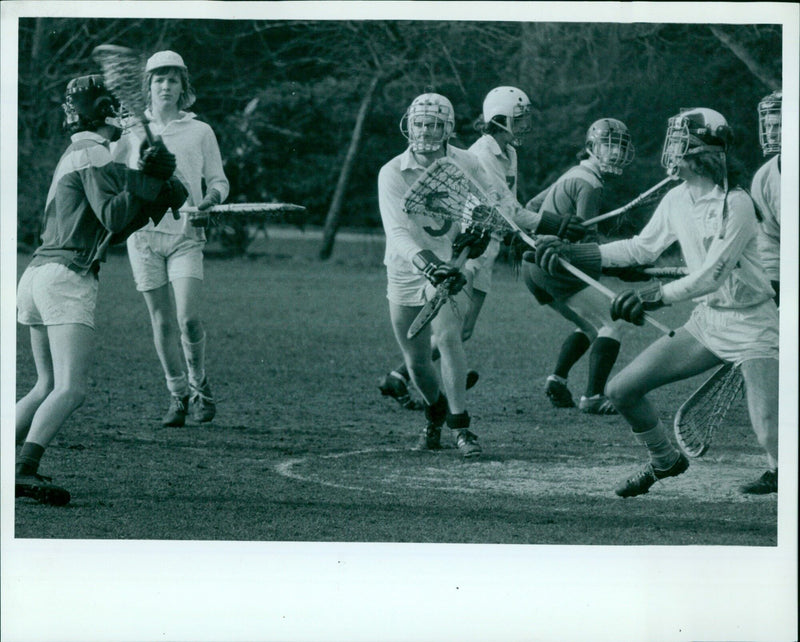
point(769, 123)
point(609, 141)
point(695, 131)
point(510, 109)
point(423, 111)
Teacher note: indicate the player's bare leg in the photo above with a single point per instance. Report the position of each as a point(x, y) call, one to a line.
point(166, 338)
point(417, 358)
point(761, 386)
point(29, 404)
point(188, 303)
point(654, 367)
point(70, 352)
point(447, 332)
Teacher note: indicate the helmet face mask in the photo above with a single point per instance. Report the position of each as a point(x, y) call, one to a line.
point(428, 123)
point(609, 141)
point(769, 123)
point(88, 105)
point(694, 131)
point(510, 109)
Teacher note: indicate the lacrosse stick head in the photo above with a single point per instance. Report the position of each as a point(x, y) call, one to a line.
point(123, 73)
point(445, 193)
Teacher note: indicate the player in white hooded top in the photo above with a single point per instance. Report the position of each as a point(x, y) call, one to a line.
point(735, 319)
point(766, 187)
point(171, 253)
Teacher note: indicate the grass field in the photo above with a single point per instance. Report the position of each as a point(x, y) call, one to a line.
point(304, 448)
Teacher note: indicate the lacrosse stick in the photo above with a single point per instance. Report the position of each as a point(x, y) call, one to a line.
point(123, 74)
point(446, 193)
point(212, 214)
point(634, 203)
point(704, 411)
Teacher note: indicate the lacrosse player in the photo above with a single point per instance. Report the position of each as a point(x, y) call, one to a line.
point(171, 253)
point(92, 203)
point(414, 264)
point(506, 122)
point(714, 221)
point(766, 188)
point(576, 194)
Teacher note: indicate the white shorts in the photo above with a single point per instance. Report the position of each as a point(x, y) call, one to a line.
point(52, 294)
point(737, 335)
point(157, 258)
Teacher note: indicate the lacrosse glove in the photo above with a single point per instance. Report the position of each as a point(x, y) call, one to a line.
point(561, 226)
point(584, 256)
point(437, 271)
point(476, 239)
point(203, 218)
point(631, 274)
point(156, 160)
point(630, 305)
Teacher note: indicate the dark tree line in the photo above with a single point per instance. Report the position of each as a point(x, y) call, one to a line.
point(308, 111)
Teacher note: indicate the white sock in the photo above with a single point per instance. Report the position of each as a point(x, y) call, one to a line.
point(195, 354)
point(662, 453)
point(178, 386)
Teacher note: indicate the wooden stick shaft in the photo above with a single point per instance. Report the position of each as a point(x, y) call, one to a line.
point(629, 206)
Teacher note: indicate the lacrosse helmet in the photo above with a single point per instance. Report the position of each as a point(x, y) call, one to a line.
point(769, 123)
point(609, 141)
point(428, 122)
point(510, 109)
point(88, 105)
point(695, 131)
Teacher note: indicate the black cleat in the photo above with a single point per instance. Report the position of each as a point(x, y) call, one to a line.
point(764, 485)
point(430, 439)
point(558, 393)
point(641, 482)
point(38, 487)
point(394, 386)
point(176, 414)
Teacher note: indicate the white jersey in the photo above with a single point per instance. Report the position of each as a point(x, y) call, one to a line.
point(502, 166)
point(766, 192)
point(406, 236)
point(721, 254)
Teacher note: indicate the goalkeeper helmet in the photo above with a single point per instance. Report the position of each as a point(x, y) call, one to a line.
point(609, 142)
point(769, 123)
point(695, 131)
point(88, 105)
point(510, 109)
point(428, 122)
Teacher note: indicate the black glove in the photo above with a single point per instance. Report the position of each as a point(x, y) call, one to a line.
point(437, 271)
point(173, 195)
point(202, 218)
point(584, 256)
point(156, 160)
point(473, 237)
point(630, 305)
point(631, 274)
point(561, 226)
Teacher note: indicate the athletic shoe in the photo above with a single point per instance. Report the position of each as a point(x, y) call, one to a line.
point(472, 378)
point(394, 386)
point(202, 402)
point(640, 483)
point(467, 443)
point(597, 405)
point(176, 414)
point(39, 488)
point(558, 393)
point(430, 439)
point(764, 485)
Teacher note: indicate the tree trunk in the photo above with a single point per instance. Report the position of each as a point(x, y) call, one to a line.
point(741, 52)
point(334, 212)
